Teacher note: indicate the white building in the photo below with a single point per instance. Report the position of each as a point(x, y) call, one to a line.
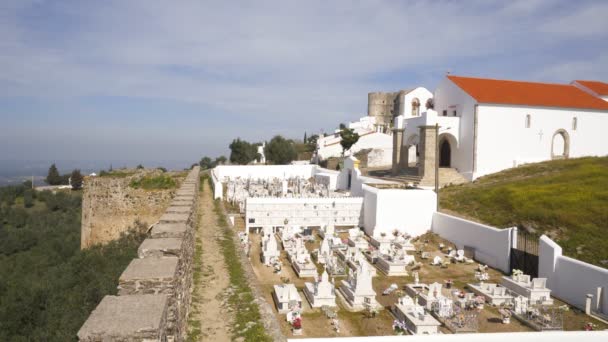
point(487, 125)
point(375, 135)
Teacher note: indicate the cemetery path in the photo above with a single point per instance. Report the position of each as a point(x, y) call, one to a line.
point(214, 313)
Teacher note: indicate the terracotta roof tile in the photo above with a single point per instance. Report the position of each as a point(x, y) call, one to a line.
point(528, 93)
point(598, 87)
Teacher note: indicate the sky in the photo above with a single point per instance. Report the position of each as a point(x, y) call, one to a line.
point(145, 81)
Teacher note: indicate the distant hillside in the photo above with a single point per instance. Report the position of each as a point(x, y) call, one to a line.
point(565, 199)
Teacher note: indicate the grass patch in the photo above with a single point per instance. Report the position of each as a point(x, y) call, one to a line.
point(566, 199)
point(194, 324)
point(248, 321)
point(160, 182)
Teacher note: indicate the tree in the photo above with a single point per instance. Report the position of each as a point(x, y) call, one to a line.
point(206, 163)
point(221, 160)
point(348, 139)
point(313, 140)
point(28, 198)
point(242, 152)
point(280, 150)
point(53, 177)
point(76, 179)
point(139, 167)
point(342, 126)
point(305, 138)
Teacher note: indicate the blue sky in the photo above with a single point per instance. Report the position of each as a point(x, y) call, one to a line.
point(176, 80)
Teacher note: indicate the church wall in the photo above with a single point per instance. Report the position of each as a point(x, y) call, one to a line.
point(450, 97)
point(366, 141)
point(422, 94)
point(505, 142)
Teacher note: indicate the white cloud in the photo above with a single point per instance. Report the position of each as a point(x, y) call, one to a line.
point(277, 61)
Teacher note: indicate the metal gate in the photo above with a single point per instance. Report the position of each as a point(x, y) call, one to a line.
point(525, 256)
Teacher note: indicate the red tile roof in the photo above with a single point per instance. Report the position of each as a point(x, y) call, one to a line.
point(598, 87)
point(528, 93)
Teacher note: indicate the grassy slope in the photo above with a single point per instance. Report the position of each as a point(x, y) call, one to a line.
point(565, 199)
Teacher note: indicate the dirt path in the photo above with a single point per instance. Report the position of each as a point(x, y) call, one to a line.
point(215, 315)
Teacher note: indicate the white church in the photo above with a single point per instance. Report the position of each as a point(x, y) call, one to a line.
point(481, 126)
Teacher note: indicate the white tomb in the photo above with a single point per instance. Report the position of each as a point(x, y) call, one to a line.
point(285, 297)
point(356, 239)
point(357, 290)
point(520, 305)
point(427, 294)
point(417, 320)
point(324, 251)
point(493, 293)
point(535, 290)
point(270, 250)
point(395, 262)
point(303, 265)
point(328, 230)
point(353, 258)
point(321, 292)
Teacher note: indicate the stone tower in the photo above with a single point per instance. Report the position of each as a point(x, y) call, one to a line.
point(385, 106)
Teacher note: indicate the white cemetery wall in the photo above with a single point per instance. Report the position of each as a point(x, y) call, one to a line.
point(218, 190)
point(265, 171)
point(492, 245)
point(307, 212)
point(410, 211)
point(547, 336)
point(570, 279)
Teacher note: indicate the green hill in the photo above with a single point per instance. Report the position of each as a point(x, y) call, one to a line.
point(565, 199)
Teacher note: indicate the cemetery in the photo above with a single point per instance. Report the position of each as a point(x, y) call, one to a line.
point(327, 276)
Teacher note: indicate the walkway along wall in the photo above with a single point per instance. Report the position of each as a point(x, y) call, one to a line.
point(154, 291)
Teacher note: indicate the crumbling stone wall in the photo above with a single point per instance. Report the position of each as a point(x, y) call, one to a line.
point(154, 289)
point(110, 206)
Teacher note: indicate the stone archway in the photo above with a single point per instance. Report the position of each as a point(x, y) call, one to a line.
point(445, 153)
point(560, 144)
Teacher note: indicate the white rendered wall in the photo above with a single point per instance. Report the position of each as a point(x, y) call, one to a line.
point(450, 97)
point(546, 336)
point(409, 211)
point(330, 146)
point(492, 245)
point(264, 171)
point(503, 140)
point(570, 279)
point(306, 212)
point(422, 94)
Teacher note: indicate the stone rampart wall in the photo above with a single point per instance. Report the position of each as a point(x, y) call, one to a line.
point(154, 291)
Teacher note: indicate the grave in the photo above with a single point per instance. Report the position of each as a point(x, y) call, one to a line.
point(395, 262)
point(427, 294)
point(285, 297)
point(417, 320)
point(270, 250)
point(357, 290)
point(535, 290)
point(328, 230)
point(321, 292)
point(353, 257)
point(324, 251)
point(356, 239)
point(494, 294)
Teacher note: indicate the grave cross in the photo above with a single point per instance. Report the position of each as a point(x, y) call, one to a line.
point(540, 135)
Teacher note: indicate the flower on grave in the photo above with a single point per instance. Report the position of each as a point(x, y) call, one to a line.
point(297, 323)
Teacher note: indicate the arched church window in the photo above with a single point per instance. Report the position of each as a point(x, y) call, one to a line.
point(415, 107)
point(574, 123)
point(528, 120)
